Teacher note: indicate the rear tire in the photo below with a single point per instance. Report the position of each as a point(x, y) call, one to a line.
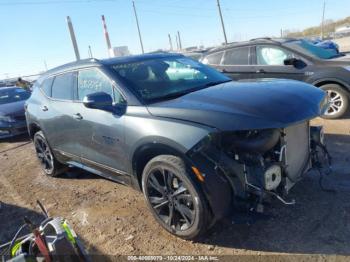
point(48, 162)
point(174, 199)
point(339, 101)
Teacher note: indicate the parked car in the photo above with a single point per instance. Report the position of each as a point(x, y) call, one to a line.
point(329, 45)
point(12, 117)
point(289, 59)
point(192, 144)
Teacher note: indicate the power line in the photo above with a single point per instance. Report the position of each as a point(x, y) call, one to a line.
point(9, 3)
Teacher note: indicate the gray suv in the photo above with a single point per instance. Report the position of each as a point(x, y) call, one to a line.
point(288, 58)
point(193, 141)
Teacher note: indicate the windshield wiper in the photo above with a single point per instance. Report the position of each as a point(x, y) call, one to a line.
point(179, 94)
point(170, 96)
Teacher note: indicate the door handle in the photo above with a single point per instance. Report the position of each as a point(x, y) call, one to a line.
point(260, 71)
point(44, 108)
point(78, 116)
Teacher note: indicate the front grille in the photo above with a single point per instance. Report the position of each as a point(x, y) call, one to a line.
point(297, 151)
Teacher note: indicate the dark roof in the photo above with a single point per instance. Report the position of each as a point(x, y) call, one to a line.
point(263, 40)
point(110, 61)
point(136, 58)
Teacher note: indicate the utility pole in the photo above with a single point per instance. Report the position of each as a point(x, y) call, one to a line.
point(45, 65)
point(222, 21)
point(322, 25)
point(72, 36)
point(170, 43)
point(177, 42)
point(178, 35)
point(108, 41)
point(281, 33)
point(90, 52)
point(138, 26)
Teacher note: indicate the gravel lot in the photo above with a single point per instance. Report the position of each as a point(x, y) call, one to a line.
point(113, 219)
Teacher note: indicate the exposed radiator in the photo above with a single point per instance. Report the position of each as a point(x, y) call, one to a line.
point(297, 141)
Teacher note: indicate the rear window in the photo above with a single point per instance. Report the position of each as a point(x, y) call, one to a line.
point(236, 56)
point(62, 87)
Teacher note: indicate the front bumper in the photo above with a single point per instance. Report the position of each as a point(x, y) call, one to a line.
point(8, 130)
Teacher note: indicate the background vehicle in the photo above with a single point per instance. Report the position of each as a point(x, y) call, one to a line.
point(191, 140)
point(289, 59)
point(12, 117)
point(326, 44)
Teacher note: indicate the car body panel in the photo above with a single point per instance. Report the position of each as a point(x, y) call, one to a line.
point(222, 106)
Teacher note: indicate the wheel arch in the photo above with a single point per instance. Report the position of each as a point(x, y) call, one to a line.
point(216, 190)
point(326, 81)
point(33, 128)
point(145, 152)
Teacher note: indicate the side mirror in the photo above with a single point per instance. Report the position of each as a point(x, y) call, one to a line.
point(297, 63)
point(99, 100)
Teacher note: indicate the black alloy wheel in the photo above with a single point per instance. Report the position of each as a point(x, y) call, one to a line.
point(173, 198)
point(47, 160)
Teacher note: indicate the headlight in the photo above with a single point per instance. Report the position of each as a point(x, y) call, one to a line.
point(7, 119)
point(347, 68)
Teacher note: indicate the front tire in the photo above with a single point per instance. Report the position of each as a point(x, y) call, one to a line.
point(48, 162)
point(339, 101)
point(174, 200)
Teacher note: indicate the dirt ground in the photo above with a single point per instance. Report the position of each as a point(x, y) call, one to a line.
point(113, 219)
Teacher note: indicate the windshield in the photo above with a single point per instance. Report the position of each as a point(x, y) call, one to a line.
point(165, 78)
point(310, 49)
point(13, 95)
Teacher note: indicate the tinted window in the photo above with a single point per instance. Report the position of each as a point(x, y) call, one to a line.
point(236, 56)
point(92, 81)
point(46, 86)
point(271, 55)
point(166, 77)
point(11, 95)
point(213, 59)
point(63, 86)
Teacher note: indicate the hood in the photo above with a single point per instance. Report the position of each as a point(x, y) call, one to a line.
point(338, 61)
point(12, 109)
point(246, 105)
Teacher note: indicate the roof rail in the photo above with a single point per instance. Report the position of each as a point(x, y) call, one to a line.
point(93, 59)
point(271, 40)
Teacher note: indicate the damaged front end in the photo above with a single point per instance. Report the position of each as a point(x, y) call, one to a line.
point(260, 164)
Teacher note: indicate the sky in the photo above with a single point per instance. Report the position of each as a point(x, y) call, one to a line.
point(34, 33)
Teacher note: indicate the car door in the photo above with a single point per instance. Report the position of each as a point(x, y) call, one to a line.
point(103, 139)
point(236, 63)
point(269, 60)
point(60, 125)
